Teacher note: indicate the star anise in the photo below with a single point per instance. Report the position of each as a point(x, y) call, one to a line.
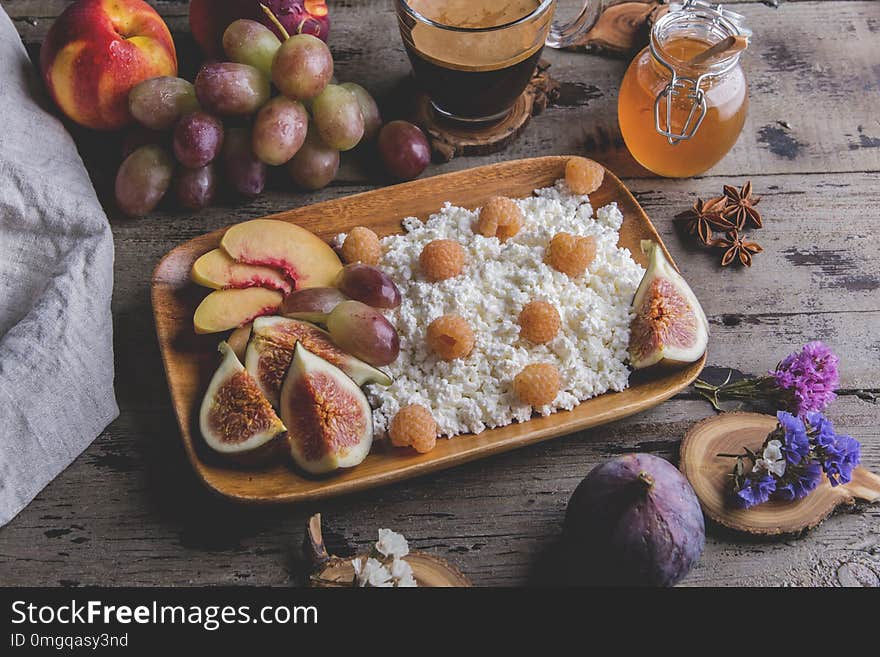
point(741, 206)
point(736, 247)
point(702, 218)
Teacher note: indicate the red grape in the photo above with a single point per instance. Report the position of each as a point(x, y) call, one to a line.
point(404, 150)
point(230, 89)
point(279, 130)
point(197, 139)
point(242, 171)
point(195, 188)
point(302, 67)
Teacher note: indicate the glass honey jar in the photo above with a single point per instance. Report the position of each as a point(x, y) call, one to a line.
point(679, 112)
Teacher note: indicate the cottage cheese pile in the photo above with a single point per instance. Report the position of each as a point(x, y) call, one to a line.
point(470, 394)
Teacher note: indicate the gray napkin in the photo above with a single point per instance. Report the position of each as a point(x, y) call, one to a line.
point(56, 278)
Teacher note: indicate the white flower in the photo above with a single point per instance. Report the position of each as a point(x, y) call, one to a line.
point(392, 544)
point(371, 573)
point(773, 460)
point(402, 573)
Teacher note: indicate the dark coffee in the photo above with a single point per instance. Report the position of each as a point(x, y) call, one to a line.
point(475, 75)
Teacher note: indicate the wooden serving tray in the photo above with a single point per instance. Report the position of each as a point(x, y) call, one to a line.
point(191, 359)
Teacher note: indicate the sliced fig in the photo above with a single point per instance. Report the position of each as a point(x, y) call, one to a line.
point(228, 309)
point(217, 270)
point(236, 419)
point(271, 350)
point(311, 304)
point(330, 420)
point(669, 326)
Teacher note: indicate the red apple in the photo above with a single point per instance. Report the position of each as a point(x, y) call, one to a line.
point(208, 19)
point(96, 51)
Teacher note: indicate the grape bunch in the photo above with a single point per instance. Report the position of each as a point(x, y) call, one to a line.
point(224, 130)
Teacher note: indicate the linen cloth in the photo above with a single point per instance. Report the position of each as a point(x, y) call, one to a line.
point(56, 280)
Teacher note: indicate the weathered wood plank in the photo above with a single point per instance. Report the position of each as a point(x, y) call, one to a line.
point(813, 66)
point(131, 501)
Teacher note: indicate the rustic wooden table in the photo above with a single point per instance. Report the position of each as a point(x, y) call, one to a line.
point(129, 510)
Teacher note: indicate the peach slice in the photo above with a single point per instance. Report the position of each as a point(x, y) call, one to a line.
point(303, 257)
point(228, 309)
point(218, 271)
point(239, 338)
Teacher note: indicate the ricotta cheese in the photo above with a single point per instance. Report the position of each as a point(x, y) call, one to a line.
point(471, 394)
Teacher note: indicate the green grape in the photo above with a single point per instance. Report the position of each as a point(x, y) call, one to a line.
point(249, 42)
point(143, 179)
point(369, 109)
point(158, 103)
point(338, 118)
point(315, 164)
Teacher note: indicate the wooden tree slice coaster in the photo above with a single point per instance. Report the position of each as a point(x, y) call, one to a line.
point(449, 139)
point(337, 572)
point(709, 475)
point(622, 29)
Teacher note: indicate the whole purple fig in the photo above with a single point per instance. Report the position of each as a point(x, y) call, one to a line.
point(635, 521)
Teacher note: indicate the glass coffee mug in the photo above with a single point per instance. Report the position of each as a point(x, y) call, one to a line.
point(475, 57)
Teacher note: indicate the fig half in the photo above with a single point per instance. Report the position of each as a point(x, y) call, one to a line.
point(330, 420)
point(271, 350)
point(669, 326)
point(236, 419)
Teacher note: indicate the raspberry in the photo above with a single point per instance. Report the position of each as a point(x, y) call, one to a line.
point(361, 245)
point(413, 425)
point(441, 259)
point(583, 176)
point(539, 322)
point(571, 254)
point(537, 385)
point(450, 337)
point(500, 217)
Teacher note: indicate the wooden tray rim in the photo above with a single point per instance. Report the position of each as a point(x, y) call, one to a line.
point(412, 470)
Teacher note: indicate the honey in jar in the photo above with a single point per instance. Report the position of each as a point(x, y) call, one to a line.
point(679, 118)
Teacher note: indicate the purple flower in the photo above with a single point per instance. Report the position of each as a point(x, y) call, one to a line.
point(756, 489)
point(837, 453)
point(795, 443)
point(799, 481)
point(809, 376)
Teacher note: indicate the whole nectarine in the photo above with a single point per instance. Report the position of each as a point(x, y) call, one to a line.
point(96, 51)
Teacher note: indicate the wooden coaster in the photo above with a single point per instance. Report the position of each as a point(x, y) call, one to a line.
point(337, 572)
point(709, 475)
point(449, 139)
point(623, 28)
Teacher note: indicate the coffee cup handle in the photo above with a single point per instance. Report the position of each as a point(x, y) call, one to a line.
point(563, 35)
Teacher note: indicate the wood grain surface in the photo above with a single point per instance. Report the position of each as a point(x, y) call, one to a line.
point(130, 511)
